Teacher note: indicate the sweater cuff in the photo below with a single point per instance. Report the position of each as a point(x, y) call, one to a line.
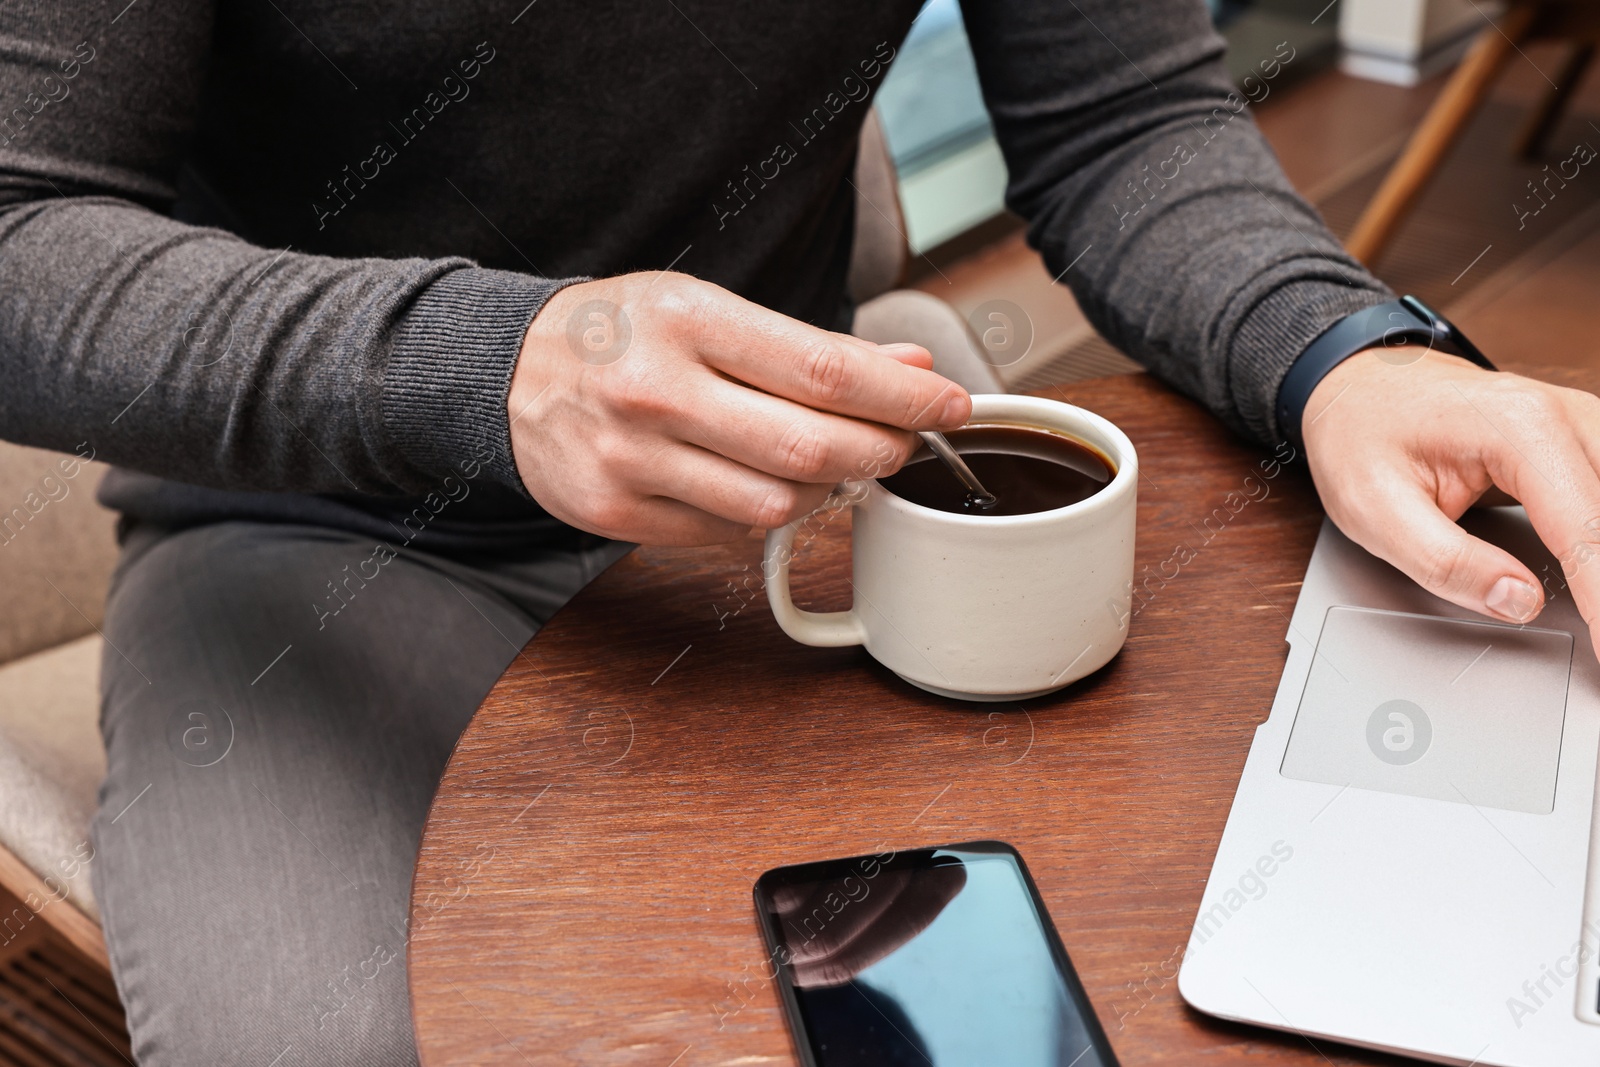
point(1275, 333)
point(448, 379)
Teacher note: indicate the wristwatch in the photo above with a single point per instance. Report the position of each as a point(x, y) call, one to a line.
point(1407, 321)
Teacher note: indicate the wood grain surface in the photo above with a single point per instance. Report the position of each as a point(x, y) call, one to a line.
point(583, 890)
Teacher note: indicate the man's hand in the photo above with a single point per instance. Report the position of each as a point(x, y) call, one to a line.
point(864, 921)
point(662, 409)
point(1402, 441)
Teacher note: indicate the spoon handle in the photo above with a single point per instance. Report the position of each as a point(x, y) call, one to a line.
point(942, 448)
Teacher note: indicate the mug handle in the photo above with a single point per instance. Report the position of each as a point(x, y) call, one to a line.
point(824, 629)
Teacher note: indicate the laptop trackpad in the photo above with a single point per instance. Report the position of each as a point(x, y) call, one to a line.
point(1469, 712)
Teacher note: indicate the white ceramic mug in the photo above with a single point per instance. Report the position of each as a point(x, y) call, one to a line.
point(983, 607)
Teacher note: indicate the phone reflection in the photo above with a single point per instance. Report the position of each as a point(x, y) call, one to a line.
point(938, 959)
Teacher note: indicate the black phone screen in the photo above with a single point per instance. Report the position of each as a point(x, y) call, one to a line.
point(942, 957)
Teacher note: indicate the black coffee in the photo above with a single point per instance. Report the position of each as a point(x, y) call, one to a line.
point(1026, 470)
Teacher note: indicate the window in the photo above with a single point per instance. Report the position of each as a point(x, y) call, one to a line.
point(952, 176)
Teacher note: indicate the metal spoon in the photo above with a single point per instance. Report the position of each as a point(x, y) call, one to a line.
point(977, 495)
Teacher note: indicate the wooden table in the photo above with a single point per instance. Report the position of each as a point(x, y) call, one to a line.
point(583, 890)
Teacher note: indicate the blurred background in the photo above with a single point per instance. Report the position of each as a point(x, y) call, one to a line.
point(1364, 76)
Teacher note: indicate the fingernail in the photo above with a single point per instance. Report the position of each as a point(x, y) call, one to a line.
point(956, 412)
point(1513, 599)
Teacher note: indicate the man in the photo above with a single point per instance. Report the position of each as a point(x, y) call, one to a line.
point(359, 470)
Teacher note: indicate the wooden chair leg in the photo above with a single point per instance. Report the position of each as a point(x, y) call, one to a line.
point(1438, 131)
point(1530, 143)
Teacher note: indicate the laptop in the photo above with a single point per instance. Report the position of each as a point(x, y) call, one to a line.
point(1411, 859)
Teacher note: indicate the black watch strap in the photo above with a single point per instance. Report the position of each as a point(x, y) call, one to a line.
point(1407, 321)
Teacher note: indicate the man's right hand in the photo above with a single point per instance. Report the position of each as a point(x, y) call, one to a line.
point(662, 409)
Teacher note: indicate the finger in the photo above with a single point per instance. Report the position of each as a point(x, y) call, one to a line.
point(906, 910)
point(1584, 556)
point(817, 930)
point(1403, 525)
point(718, 486)
point(1556, 481)
point(788, 440)
point(911, 355)
point(911, 912)
point(832, 372)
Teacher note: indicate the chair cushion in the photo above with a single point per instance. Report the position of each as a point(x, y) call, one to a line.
point(57, 549)
point(878, 255)
point(923, 319)
point(51, 763)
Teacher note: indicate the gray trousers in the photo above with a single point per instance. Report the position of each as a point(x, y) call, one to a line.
point(278, 703)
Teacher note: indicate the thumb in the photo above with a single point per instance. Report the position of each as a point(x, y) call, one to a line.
point(1419, 539)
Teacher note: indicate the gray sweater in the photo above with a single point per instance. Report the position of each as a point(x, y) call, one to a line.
point(276, 259)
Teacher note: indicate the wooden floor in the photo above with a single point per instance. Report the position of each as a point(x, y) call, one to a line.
point(1523, 286)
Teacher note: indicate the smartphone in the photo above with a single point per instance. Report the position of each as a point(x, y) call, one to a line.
point(937, 956)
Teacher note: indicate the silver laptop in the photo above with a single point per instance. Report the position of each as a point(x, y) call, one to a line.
point(1411, 862)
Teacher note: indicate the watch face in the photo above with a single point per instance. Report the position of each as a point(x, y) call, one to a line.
point(1446, 336)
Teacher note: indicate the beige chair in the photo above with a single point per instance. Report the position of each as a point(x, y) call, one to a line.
point(878, 261)
point(57, 1003)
